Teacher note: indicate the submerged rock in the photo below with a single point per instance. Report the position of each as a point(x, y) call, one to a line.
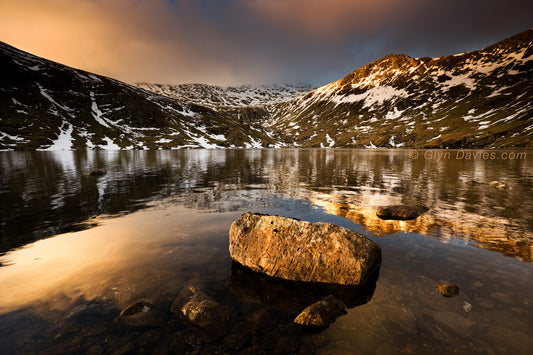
point(401, 212)
point(499, 185)
point(322, 313)
point(139, 314)
point(474, 183)
point(303, 251)
point(96, 172)
point(202, 311)
point(447, 289)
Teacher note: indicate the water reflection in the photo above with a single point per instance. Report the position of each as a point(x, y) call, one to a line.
point(173, 210)
point(505, 235)
point(45, 194)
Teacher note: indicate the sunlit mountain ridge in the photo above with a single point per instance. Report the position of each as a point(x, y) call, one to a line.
point(479, 99)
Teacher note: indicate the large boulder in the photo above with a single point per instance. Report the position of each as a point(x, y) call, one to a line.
point(303, 251)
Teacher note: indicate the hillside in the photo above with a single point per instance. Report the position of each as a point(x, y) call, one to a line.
point(49, 106)
point(477, 99)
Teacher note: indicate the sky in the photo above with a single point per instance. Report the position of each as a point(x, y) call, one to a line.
point(234, 42)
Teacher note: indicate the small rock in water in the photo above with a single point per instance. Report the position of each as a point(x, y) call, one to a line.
point(448, 289)
point(202, 311)
point(474, 183)
point(322, 313)
point(499, 185)
point(139, 314)
point(401, 212)
point(96, 172)
point(467, 307)
point(137, 307)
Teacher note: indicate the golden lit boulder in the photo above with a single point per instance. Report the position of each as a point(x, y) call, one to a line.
point(303, 251)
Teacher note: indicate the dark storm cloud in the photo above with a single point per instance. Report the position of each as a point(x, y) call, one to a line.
point(251, 41)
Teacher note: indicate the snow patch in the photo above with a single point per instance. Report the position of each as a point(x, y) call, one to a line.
point(110, 145)
point(13, 138)
point(47, 96)
point(331, 141)
point(373, 96)
point(254, 144)
point(64, 140)
point(164, 140)
point(97, 114)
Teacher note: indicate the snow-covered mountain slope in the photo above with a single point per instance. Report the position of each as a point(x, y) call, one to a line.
point(217, 97)
point(480, 99)
point(46, 105)
point(476, 99)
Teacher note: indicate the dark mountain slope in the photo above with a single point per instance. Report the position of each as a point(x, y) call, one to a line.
point(46, 105)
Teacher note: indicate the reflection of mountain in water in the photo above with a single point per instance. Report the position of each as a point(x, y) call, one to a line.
point(490, 232)
point(46, 193)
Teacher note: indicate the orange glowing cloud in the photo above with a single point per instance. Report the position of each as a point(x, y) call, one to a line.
point(125, 39)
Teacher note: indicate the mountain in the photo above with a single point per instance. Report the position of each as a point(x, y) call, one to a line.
point(478, 99)
point(218, 97)
point(49, 106)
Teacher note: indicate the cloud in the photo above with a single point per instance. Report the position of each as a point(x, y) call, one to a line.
point(135, 40)
point(94, 35)
point(250, 41)
point(333, 19)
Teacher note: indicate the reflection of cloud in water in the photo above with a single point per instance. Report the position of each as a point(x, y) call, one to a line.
point(110, 262)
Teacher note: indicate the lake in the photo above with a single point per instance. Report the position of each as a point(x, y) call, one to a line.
point(78, 249)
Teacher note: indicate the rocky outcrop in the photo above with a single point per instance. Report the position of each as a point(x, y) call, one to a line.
point(303, 251)
point(322, 313)
point(401, 212)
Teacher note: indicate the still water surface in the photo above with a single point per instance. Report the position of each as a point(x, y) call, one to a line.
point(76, 249)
